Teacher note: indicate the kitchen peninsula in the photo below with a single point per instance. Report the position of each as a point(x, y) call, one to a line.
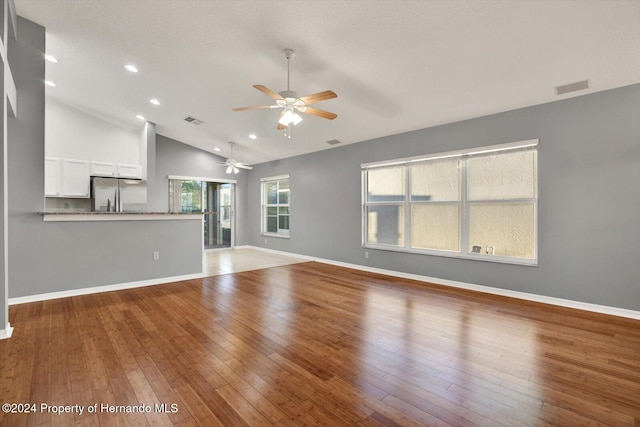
point(120, 216)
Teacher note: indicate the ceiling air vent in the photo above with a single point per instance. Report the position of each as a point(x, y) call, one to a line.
point(334, 142)
point(572, 87)
point(193, 120)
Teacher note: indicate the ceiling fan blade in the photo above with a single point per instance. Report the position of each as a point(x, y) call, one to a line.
point(243, 166)
point(320, 96)
point(255, 107)
point(320, 113)
point(280, 125)
point(271, 94)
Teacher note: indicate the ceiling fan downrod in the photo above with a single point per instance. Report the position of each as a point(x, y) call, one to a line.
point(289, 53)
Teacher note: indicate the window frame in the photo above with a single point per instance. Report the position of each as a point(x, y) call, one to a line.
point(264, 206)
point(464, 156)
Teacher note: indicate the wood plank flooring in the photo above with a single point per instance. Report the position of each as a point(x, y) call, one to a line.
point(317, 345)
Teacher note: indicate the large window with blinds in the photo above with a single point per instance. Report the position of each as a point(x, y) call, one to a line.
point(479, 204)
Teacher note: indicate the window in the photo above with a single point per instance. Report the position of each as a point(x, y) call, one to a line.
point(275, 206)
point(479, 204)
point(185, 195)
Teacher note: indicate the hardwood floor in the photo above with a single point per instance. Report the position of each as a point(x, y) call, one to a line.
point(317, 345)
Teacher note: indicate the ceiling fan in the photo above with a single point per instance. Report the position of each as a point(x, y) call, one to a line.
point(291, 103)
point(234, 166)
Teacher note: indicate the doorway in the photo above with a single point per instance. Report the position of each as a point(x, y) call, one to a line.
point(215, 199)
point(217, 217)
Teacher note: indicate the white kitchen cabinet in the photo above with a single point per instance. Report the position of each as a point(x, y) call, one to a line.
point(103, 169)
point(52, 177)
point(116, 170)
point(75, 178)
point(129, 171)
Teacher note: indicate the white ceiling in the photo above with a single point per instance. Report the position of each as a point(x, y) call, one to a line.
point(395, 65)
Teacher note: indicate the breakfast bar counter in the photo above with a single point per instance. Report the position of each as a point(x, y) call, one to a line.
point(120, 216)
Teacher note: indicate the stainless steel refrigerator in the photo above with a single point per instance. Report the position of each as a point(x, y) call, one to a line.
point(118, 195)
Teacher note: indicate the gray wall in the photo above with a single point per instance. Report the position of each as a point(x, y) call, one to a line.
point(589, 170)
point(48, 257)
point(4, 315)
point(176, 158)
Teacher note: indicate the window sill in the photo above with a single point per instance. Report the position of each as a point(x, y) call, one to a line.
point(277, 236)
point(475, 257)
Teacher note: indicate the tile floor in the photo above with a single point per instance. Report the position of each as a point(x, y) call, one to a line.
point(225, 261)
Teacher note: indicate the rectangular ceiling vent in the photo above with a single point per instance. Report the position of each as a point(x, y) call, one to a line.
point(334, 142)
point(572, 87)
point(193, 120)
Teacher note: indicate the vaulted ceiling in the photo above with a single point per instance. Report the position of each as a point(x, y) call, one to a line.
point(395, 65)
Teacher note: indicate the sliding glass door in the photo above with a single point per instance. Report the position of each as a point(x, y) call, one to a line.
point(214, 199)
point(217, 218)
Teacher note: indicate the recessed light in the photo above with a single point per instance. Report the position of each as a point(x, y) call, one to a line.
point(216, 149)
point(154, 101)
point(131, 67)
point(140, 116)
point(49, 83)
point(253, 136)
point(50, 58)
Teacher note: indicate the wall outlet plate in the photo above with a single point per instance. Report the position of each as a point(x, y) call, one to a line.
point(156, 255)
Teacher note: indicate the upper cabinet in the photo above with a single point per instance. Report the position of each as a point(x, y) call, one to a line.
point(75, 178)
point(66, 178)
point(129, 171)
point(52, 177)
point(103, 169)
point(116, 170)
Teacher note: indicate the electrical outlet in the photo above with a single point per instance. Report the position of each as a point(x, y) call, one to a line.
point(156, 255)
point(366, 254)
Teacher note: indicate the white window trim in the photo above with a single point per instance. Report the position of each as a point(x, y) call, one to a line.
point(464, 206)
point(457, 153)
point(263, 225)
point(192, 178)
point(275, 178)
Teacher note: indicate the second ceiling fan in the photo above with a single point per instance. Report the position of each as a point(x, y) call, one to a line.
point(291, 103)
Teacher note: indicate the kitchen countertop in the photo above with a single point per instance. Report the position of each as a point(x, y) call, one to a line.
point(63, 212)
point(120, 216)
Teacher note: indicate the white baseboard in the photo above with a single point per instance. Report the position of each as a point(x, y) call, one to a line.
point(99, 289)
point(614, 311)
point(6, 332)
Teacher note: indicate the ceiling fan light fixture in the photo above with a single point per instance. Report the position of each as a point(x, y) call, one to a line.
point(235, 170)
point(229, 169)
point(290, 117)
point(286, 118)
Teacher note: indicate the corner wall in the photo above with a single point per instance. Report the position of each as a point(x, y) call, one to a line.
point(589, 170)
